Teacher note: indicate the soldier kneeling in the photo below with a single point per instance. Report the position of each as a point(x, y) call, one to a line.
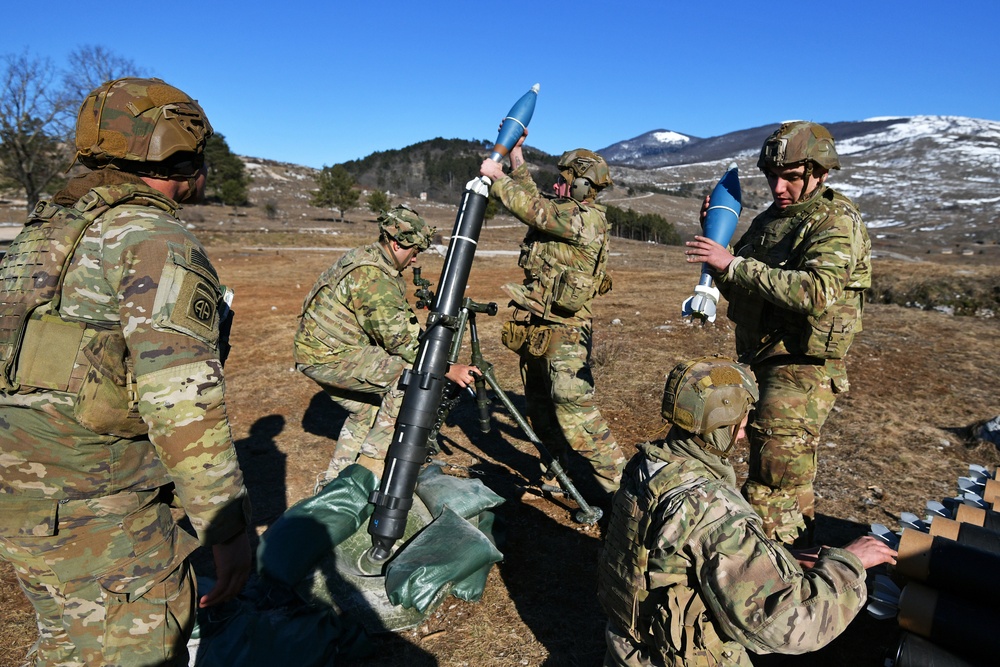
point(687, 576)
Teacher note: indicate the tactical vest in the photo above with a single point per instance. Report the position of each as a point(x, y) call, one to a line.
point(344, 330)
point(780, 242)
point(654, 601)
point(560, 278)
point(41, 351)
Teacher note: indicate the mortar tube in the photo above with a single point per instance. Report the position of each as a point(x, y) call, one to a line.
point(424, 383)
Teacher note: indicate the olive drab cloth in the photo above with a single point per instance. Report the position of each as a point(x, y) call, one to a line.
point(796, 296)
point(356, 335)
point(120, 395)
point(564, 256)
point(688, 578)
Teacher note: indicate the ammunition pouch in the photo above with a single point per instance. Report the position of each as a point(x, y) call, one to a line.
point(65, 356)
point(107, 403)
point(682, 632)
point(605, 285)
point(539, 340)
point(532, 339)
point(573, 289)
point(830, 335)
point(514, 335)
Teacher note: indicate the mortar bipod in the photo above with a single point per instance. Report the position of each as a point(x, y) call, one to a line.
point(587, 514)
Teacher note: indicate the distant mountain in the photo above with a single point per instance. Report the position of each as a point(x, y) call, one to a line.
point(438, 167)
point(923, 183)
point(935, 176)
point(650, 149)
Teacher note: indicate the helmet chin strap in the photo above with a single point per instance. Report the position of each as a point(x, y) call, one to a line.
point(192, 182)
point(395, 259)
point(807, 174)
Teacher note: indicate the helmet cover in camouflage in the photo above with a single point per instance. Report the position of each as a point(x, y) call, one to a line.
point(143, 126)
point(709, 392)
point(582, 163)
point(406, 227)
point(797, 142)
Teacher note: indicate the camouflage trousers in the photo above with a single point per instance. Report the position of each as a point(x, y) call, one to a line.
point(365, 384)
point(795, 400)
point(559, 393)
point(368, 429)
point(112, 586)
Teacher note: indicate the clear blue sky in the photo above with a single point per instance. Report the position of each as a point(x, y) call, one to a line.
point(319, 82)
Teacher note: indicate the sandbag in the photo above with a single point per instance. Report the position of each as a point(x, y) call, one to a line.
point(471, 588)
point(449, 550)
point(310, 530)
point(465, 497)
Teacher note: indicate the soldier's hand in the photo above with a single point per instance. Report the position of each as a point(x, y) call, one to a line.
point(872, 551)
point(520, 141)
point(462, 375)
point(707, 251)
point(232, 569)
point(491, 170)
point(703, 213)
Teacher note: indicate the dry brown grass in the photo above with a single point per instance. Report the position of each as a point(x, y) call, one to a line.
point(918, 380)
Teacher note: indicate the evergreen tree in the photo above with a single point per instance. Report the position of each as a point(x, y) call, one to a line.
point(335, 190)
point(228, 181)
point(378, 201)
point(626, 223)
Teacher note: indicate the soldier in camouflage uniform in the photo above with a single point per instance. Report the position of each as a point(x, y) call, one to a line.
point(357, 334)
point(796, 293)
point(564, 256)
point(687, 576)
point(113, 400)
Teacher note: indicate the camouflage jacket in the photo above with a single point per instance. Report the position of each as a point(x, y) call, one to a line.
point(564, 254)
point(145, 402)
point(797, 285)
point(357, 304)
point(688, 574)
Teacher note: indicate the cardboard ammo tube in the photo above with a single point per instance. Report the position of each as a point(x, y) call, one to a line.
point(989, 519)
point(992, 492)
point(966, 533)
point(960, 569)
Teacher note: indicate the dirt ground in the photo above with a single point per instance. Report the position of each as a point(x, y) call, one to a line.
point(898, 439)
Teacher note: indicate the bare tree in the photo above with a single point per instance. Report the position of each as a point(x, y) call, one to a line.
point(35, 121)
point(89, 66)
point(38, 105)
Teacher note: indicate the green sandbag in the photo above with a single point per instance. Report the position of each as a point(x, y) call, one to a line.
point(465, 497)
point(310, 530)
point(471, 588)
point(449, 550)
point(340, 580)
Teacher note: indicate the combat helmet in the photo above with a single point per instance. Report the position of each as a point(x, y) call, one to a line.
point(707, 393)
point(143, 126)
point(406, 227)
point(585, 171)
point(796, 142)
